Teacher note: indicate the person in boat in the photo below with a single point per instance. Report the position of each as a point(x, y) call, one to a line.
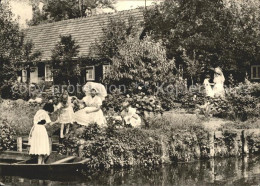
point(130, 117)
point(91, 113)
point(66, 112)
point(208, 90)
point(38, 138)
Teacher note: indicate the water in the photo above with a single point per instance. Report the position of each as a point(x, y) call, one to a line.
point(231, 171)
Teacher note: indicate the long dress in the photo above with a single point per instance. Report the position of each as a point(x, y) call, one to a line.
point(92, 103)
point(66, 113)
point(38, 138)
point(208, 89)
point(218, 89)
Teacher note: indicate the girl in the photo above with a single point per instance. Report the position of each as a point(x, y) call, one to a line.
point(38, 138)
point(207, 85)
point(130, 117)
point(66, 113)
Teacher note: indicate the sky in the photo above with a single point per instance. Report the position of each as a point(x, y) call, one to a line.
point(23, 10)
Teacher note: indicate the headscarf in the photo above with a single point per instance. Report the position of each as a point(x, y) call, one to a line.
point(219, 74)
point(99, 88)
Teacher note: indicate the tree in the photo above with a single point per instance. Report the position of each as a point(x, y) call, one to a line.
point(13, 50)
point(63, 58)
point(57, 10)
point(143, 62)
point(114, 35)
point(193, 67)
point(10, 44)
point(212, 28)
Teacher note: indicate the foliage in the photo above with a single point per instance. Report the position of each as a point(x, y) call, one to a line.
point(19, 115)
point(62, 57)
point(249, 124)
point(213, 29)
point(193, 67)
point(7, 137)
point(20, 91)
point(253, 143)
point(145, 104)
point(241, 102)
point(178, 139)
point(141, 62)
point(244, 101)
point(13, 49)
point(10, 43)
point(116, 148)
point(114, 35)
point(113, 102)
point(57, 10)
point(171, 93)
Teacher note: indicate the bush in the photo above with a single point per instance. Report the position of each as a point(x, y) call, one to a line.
point(142, 102)
point(19, 115)
point(7, 137)
point(20, 91)
point(240, 103)
point(113, 147)
point(177, 138)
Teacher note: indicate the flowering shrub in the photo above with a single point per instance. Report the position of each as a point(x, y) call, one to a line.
point(142, 102)
point(241, 102)
point(181, 140)
point(7, 137)
point(112, 147)
point(113, 102)
point(145, 103)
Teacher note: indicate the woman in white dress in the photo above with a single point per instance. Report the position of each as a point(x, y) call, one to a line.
point(38, 138)
point(208, 89)
point(92, 113)
point(219, 80)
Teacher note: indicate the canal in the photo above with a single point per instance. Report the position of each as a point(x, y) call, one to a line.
point(230, 171)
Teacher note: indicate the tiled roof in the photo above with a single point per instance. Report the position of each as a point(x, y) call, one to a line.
point(84, 30)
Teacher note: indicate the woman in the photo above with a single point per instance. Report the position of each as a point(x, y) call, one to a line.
point(38, 138)
point(219, 80)
point(92, 113)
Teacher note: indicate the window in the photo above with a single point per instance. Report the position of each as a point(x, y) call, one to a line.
point(90, 73)
point(48, 73)
point(106, 69)
point(24, 76)
point(255, 72)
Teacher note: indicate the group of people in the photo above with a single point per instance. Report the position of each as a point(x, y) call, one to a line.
point(218, 84)
point(90, 112)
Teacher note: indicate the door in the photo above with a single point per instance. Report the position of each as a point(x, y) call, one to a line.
point(34, 74)
point(24, 76)
point(48, 73)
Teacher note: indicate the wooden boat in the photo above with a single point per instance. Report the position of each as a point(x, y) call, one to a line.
point(15, 163)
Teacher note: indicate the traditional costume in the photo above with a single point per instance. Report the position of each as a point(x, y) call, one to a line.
point(38, 138)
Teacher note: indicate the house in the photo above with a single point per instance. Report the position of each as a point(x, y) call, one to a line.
point(85, 31)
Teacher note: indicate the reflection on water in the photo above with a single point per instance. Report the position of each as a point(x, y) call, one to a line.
point(232, 171)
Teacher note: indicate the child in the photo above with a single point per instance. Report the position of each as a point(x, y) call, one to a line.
point(130, 117)
point(207, 85)
point(38, 138)
point(66, 113)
